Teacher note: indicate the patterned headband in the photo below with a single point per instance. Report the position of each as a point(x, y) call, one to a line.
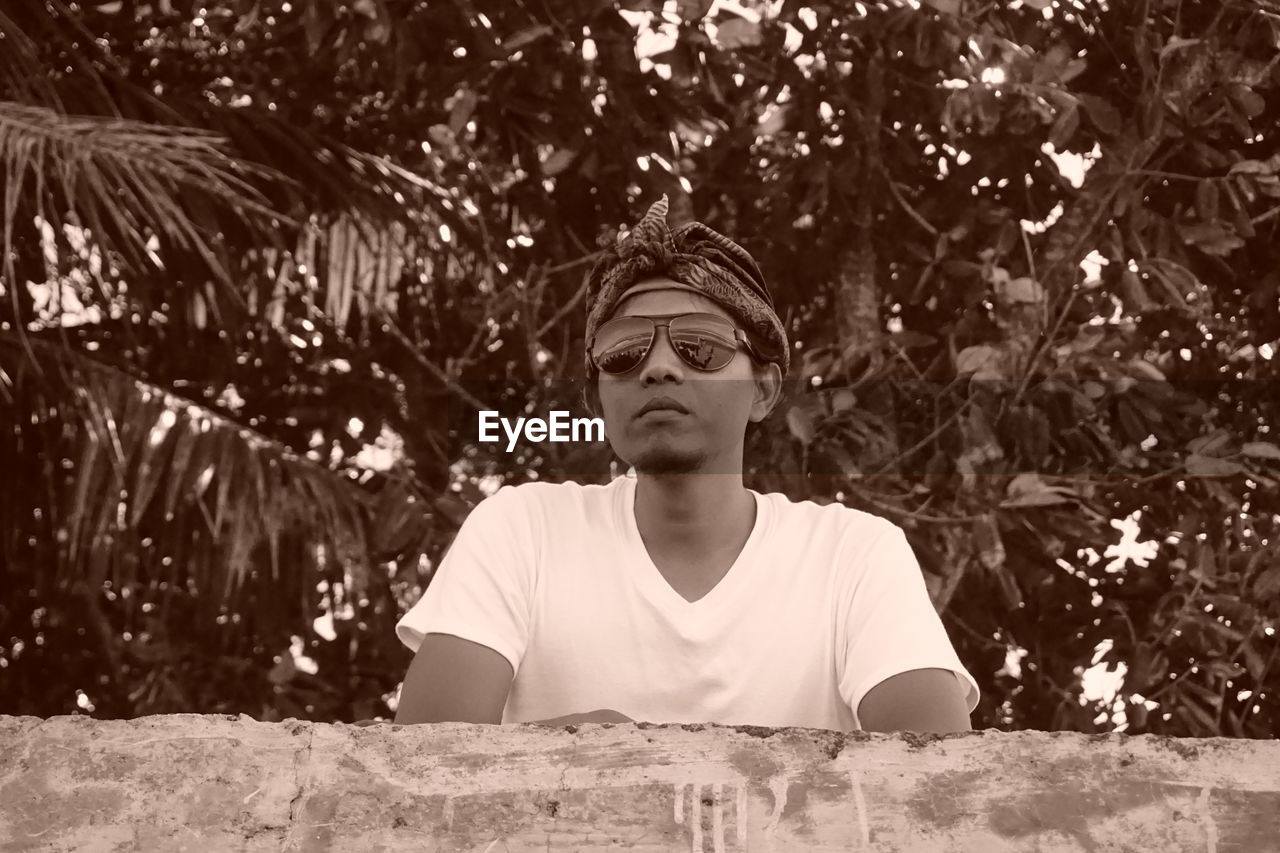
point(697, 257)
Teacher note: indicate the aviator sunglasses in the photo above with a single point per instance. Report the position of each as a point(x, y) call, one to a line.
point(705, 342)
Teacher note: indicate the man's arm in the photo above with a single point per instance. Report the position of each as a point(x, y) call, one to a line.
point(603, 715)
point(454, 680)
point(922, 700)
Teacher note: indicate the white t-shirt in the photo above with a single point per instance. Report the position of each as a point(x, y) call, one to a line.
point(822, 604)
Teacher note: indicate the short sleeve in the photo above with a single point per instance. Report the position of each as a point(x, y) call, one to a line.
point(482, 589)
point(885, 623)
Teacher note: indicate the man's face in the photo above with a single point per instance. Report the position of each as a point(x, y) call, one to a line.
point(707, 435)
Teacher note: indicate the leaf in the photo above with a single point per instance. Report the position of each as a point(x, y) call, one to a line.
point(1025, 483)
point(1251, 167)
point(246, 21)
point(690, 11)
point(986, 535)
point(1179, 276)
point(124, 177)
point(738, 32)
point(1261, 450)
point(441, 135)
point(1190, 708)
point(982, 359)
point(226, 472)
point(452, 508)
point(1104, 116)
point(909, 339)
point(1049, 497)
point(86, 470)
point(1133, 424)
point(1214, 238)
point(1134, 293)
point(1212, 466)
point(1176, 43)
point(283, 671)
point(1254, 663)
point(197, 461)
point(1146, 370)
point(774, 121)
point(946, 7)
point(1239, 211)
point(800, 422)
point(1266, 586)
point(463, 106)
point(1176, 280)
point(1028, 489)
point(317, 17)
point(558, 162)
point(1009, 588)
point(1022, 290)
point(1074, 69)
point(843, 400)
point(1212, 444)
point(1152, 117)
point(176, 474)
point(1249, 101)
point(1064, 127)
point(1207, 199)
point(525, 37)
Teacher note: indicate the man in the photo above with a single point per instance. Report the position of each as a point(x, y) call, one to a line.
point(677, 594)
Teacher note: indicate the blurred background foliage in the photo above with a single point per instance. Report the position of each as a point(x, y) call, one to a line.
point(261, 256)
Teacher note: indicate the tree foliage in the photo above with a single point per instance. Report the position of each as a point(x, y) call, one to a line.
point(300, 230)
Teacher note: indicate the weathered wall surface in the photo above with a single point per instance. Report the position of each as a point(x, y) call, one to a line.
point(203, 783)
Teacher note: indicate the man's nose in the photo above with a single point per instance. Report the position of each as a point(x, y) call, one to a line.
point(662, 364)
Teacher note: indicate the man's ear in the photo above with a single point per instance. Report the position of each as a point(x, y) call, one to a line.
point(768, 381)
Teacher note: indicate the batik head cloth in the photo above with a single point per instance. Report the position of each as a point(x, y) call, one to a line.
point(702, 261)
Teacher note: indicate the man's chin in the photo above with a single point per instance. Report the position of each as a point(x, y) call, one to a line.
point(665, 461)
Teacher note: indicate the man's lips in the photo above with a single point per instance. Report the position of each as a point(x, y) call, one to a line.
point(661, 404)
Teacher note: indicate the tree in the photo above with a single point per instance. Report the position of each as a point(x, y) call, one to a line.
point(890, 172)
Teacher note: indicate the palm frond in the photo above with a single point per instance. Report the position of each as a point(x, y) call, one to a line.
point(355, 261)
point(131, 185)
point(142, 482)
point(52, 60)
point(36, 28)
point(125, 181)
point(246, 159)
point(19, 62)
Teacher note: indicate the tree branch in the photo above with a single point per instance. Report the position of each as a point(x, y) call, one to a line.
point(425, 363)
point(906, 206)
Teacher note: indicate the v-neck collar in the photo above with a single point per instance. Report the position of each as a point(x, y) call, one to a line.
point(650, 579)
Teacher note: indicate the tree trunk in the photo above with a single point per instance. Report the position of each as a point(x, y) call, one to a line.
point(858, 298)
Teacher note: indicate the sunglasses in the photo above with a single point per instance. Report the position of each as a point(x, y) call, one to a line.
point(705, 342)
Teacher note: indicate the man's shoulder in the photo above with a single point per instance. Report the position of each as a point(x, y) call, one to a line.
point(556, 499)
point(545, 490)
point(830, 516)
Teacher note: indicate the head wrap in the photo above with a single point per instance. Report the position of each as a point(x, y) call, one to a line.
point(702, 261)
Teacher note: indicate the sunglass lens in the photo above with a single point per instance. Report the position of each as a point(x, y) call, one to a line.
point(704, 341)
point(703, 350)
point(622, 344)
point(622, 358)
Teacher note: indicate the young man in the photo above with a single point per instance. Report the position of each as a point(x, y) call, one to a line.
point(678, 595)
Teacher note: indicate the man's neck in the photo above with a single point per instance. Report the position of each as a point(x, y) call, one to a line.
point(694, 514)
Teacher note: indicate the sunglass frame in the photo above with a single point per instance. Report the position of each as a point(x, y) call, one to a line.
point(739, 338)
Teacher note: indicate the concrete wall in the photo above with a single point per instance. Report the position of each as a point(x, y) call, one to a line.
point(200, 783)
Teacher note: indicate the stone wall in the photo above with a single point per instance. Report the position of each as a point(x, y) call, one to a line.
point(202, 783)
